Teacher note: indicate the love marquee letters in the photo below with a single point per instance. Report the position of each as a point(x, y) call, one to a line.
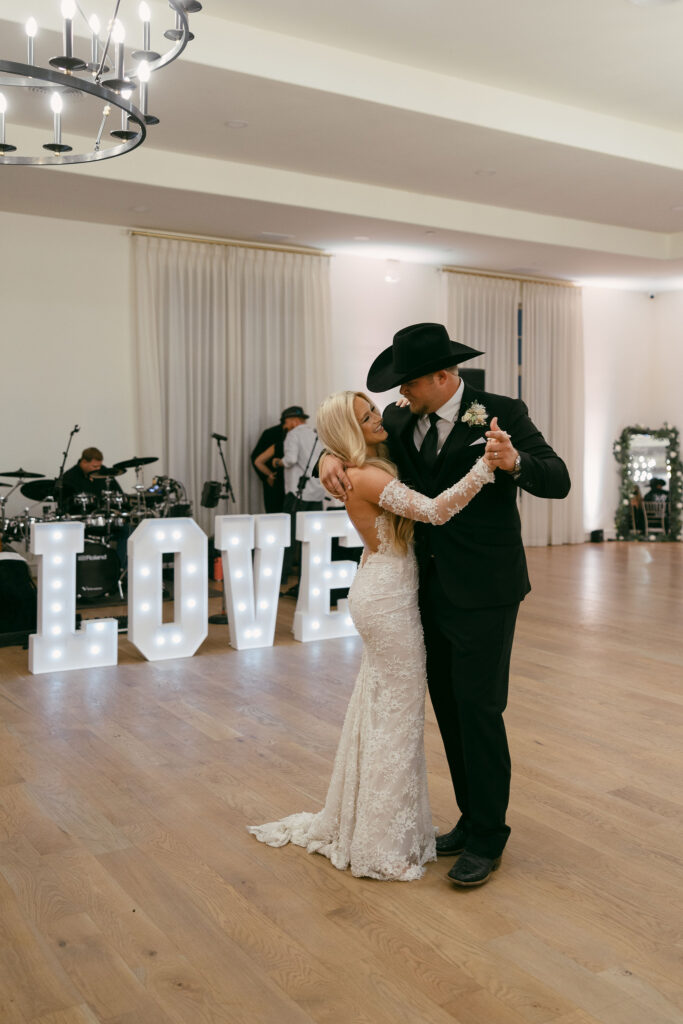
point(252, 549)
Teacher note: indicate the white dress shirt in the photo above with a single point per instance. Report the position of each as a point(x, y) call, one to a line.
point(448, 414)
point(302, 450)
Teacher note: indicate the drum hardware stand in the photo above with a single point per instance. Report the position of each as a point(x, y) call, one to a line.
point(60, 476)
point(227, 495)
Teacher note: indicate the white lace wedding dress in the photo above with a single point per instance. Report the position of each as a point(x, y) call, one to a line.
point(377, 817)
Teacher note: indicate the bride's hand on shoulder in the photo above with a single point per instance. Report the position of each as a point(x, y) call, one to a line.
point(333, 476)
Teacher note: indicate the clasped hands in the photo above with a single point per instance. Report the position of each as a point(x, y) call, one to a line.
point(500, 452)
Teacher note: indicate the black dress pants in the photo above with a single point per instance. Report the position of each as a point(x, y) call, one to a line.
point(468, 662)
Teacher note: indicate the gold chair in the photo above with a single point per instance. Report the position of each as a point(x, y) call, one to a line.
point(655, 513)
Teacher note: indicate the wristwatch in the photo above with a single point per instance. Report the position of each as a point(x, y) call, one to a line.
point(517, 468)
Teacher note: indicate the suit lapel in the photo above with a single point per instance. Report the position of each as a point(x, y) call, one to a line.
point(462, 435)
point(408, 444)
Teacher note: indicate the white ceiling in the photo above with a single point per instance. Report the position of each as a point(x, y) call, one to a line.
point(541, 136)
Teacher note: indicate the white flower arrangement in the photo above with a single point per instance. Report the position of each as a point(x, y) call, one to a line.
point(476, 415)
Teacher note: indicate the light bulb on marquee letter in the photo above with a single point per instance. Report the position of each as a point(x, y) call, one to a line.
point(57, 645)
point(251, 592)
point(313, 619)
point(152, 539)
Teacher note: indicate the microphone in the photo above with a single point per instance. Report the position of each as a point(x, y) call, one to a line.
point(220, 437)
point(76, 429)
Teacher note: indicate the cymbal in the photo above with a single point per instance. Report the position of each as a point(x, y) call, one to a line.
point(105, 471)
point(38, 490)
point(137, 461)
point(22, 474)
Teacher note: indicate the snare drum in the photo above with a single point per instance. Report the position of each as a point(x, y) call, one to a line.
point(18, 530)
point(13, 530)
point(97, 571)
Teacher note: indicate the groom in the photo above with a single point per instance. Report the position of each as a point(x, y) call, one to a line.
point(473, 572)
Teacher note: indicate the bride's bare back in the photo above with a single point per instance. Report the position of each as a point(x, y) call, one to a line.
point(362, 509)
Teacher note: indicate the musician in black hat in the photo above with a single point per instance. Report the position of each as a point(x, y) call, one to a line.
point(270, 446)
point(473, 572)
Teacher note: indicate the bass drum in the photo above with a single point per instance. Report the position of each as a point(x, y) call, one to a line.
point(97, 571)
point(181, 510)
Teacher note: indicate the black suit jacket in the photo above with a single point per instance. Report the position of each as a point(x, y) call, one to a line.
point(478, 554)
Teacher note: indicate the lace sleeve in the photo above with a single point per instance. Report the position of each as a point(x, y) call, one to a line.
point(398, 498)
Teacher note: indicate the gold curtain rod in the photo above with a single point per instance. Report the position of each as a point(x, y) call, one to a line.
point(231, 242)
point(509, 277)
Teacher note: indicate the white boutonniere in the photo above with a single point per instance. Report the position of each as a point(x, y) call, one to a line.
point(476, 415)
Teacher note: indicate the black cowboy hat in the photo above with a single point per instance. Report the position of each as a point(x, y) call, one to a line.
point(293, 410)
point(416, 351)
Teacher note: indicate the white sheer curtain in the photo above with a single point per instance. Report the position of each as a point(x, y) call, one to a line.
point(482, 312)
point(226, 337)
point(553, 388)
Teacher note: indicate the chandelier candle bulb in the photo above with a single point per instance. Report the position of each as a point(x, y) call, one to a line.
point(56, 104)
point(95, 39)
point(175, 33)
point(118, 36)
point(143, 78)
point(4, 146)
point(68, 11)
point(145, 17)
point(31, 29)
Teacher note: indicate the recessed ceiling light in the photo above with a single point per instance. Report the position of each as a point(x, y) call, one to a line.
point(485, 172)
point(139, 209)
point(430, 232)
point(236, 124)
point(361, 238)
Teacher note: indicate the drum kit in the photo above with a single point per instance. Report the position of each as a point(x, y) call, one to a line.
point(109, 517)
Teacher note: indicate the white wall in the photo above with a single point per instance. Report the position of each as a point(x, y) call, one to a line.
point(621, 368)
point(367, 311)
point(66, 343)
point(667, 384)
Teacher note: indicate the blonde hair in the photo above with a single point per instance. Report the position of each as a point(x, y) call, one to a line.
point(340, 432)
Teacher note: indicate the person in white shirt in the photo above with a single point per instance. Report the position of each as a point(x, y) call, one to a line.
point(303, 491)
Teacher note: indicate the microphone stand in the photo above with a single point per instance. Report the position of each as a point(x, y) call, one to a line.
point(226, 482)
point(222, 618)
point(60, 476)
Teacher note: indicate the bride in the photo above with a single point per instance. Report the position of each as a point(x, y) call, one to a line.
point(377, 817)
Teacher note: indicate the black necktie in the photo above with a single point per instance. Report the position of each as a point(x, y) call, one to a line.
point(428, 451)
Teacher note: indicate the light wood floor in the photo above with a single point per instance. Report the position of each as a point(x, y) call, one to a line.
point(130, 892)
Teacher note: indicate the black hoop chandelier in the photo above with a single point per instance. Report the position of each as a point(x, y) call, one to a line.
point(104, 80)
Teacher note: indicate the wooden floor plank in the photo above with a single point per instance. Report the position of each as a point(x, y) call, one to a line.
point(131, 892)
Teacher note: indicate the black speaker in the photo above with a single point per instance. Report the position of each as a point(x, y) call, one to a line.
point(474, 377)
point(597, 536)
point(211, 492)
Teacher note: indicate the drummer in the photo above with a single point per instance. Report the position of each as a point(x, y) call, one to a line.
point(78, 479)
